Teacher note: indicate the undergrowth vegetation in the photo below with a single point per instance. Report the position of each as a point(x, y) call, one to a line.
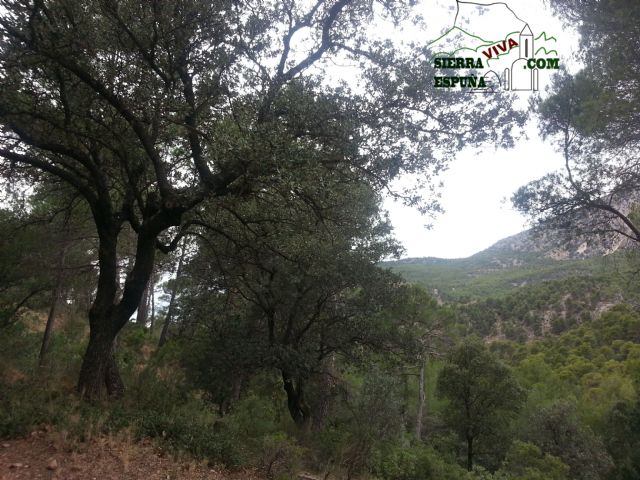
point(576, 419)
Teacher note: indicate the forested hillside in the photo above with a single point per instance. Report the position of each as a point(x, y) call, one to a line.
point(198, 278)
point(524, 289)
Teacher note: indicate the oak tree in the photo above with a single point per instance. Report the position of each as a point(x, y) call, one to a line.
point(147, 109)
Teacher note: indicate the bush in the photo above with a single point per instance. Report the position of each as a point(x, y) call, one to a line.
point(20, 410)
point(417, 462)
point(525, 461)
point(281, 456)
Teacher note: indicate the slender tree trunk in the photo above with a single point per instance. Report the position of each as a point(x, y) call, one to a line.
point(57, 293)
point(469, 453)
point(298, 407)
point(143, 309)
point(171, 307)
point(405, 402)
point(237, 388)
point(234, 396)
point(153, 303)
point(146, 301)
point(321, 410)
point(322, 406)
point(421, 400)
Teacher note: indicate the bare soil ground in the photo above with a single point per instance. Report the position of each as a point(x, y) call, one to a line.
point(51, 455)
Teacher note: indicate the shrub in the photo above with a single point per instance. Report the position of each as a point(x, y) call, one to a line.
point(281, 457)
point(417, 462)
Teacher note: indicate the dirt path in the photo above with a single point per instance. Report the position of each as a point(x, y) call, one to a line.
point(50, 455)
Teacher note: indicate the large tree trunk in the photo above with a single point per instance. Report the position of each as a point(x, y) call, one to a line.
point(99, 375)
point(298, 407)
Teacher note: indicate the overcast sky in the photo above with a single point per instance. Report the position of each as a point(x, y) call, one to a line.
point(478, 182)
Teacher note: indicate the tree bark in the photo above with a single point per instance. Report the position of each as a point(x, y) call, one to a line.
point(57, 293)
point(324, 400)
point(298, 407)
point(421, 400)
point(469, 453)
point(99, 371)
point(153, 310)
point(321, 411)
point(153, 303)
point(171, 307)
point(99, 374)
point(143, 308)
point(404, 421)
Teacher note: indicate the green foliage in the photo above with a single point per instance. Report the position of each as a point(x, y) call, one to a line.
point(604, 28)
point(278, 173)
point(281, 457)
point(483, 395)
point(622, 436)
point(525, 461)
point(533, 298)
point(283, 297)
point(582, 394)
point(18, 347)
point(596, 364)
point(587, 355)
point(159, 404)
point(413, 462)
point(592, 116)
point(21, 409)
point(557, 431)
point(367, 417)
point(492, 273)
point(199, 123)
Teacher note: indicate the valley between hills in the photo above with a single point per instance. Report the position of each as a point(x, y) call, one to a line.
point(530, 284)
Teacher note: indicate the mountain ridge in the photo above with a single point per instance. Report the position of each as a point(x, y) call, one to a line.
point(526, 258)
point(527, 285)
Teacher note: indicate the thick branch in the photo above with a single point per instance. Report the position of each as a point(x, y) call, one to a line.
point(56, 170)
